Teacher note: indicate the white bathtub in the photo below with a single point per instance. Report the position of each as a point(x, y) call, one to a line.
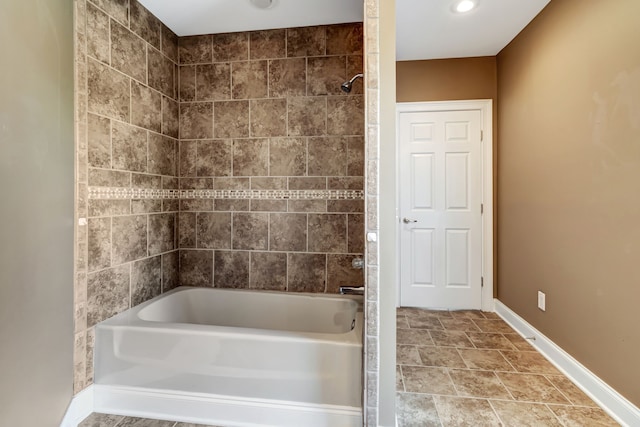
point(234, 357)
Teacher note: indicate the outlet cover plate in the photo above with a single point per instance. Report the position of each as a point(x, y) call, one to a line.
point(542, 301)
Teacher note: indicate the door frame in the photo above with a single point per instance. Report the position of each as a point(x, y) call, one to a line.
point(485, 106)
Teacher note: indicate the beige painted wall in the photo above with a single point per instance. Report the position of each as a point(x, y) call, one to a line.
point(453, 80)
point(36, 211)
point(569, 182)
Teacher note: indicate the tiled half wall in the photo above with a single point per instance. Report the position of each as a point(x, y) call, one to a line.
point(229, 160)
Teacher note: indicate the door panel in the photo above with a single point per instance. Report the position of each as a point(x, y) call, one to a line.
point(440, 198)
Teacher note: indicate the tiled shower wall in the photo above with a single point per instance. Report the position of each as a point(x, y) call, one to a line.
point(258, 114)
point(263, 111)
point(127, 130)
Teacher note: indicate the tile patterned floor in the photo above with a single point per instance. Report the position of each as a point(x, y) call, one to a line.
point(104, 420)
point(469, 368)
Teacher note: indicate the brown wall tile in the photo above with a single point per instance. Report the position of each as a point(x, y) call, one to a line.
point(129, 146)
point(99, 141)
point(187, 83)
point(315, 206)
point(267, 44)
point(325, 75)
point(268, 205)
point(214, 230)
point(288, 232)
point(170, 115)
point(345, 206)
point(327, 233)
point(118, 9)
point(98, 37)
point(162, 155)
point(307, 116)
point(195, 49)
point(107, 293)
point(129, 234)
point(146, 280)
point(108, 178)
point(306, 41)
point(109, 91)
point(214, 158)
point(287, 156)
point(356, 233)
point(188, 155)
point(355, 156)
point(162, 233)
point(327, 156)
point(196, 183)
point(213, 82)
point(249, 79)
point(263, 183)
point(251, 231)
point(251, 157)
point(141, 206)
point(196, 120)
point(311, 183)
point(287, 77)
point(341, 273)
point(162, 73)
point(109, 207)
point(146, 107)
point(306, 272)
point(228, 183)
point(196, 268)
point(230, 47)
point(345, 115)
point(231, 205)
point(99, 243)
point(268, 117)
point(345, 39)
point(268, 271)
point(346, 183)
point(231, 269)
point(139, 180)
point(144, 24)
point(128, 52)
point(231, 119)
point(186, 229)
point(170, 267)
point(169, 42)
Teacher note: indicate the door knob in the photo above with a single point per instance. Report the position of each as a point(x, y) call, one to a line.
point(409, 221)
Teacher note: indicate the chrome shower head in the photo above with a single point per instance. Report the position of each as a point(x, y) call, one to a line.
point(346, 86)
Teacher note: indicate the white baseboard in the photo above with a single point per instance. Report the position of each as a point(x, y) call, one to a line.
point(223, 410)
point(623, 411)
point(81, 407)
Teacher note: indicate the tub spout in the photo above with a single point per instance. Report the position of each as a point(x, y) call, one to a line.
point(352, 290)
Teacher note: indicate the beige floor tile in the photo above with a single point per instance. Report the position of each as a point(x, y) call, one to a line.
point(459, 324)
point(465, 412)
point(144, 422)
point(531, 388)
point(530, 362)
point(488, 360)
point(450, 339)
point(425, 322)
point(446, 357)
point(399, 383)
point(478, 384)
point(416, 410)
point(490, 341)
point(401, 321)
point(100, 420)
point(491, 315)
point(469, 314)
point(407, 355)
point(571, 392)
point(575, 416)
point(418, 379)
point(493, 325)
point(519, 342)
point(413, 336)
point(520, 414)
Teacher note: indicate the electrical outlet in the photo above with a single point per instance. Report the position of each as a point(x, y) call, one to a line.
point(542, 300)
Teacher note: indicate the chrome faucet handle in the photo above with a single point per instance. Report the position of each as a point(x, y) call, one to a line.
point(352, 290)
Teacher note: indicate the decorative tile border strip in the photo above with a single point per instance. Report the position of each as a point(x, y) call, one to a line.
point(103, 193)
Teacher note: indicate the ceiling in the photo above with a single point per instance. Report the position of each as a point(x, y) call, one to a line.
point(426, 29)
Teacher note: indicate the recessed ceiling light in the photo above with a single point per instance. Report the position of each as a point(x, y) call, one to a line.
point(262, 4)
point(464, 6)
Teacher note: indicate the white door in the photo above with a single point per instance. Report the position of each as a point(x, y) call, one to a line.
point(440, 178)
